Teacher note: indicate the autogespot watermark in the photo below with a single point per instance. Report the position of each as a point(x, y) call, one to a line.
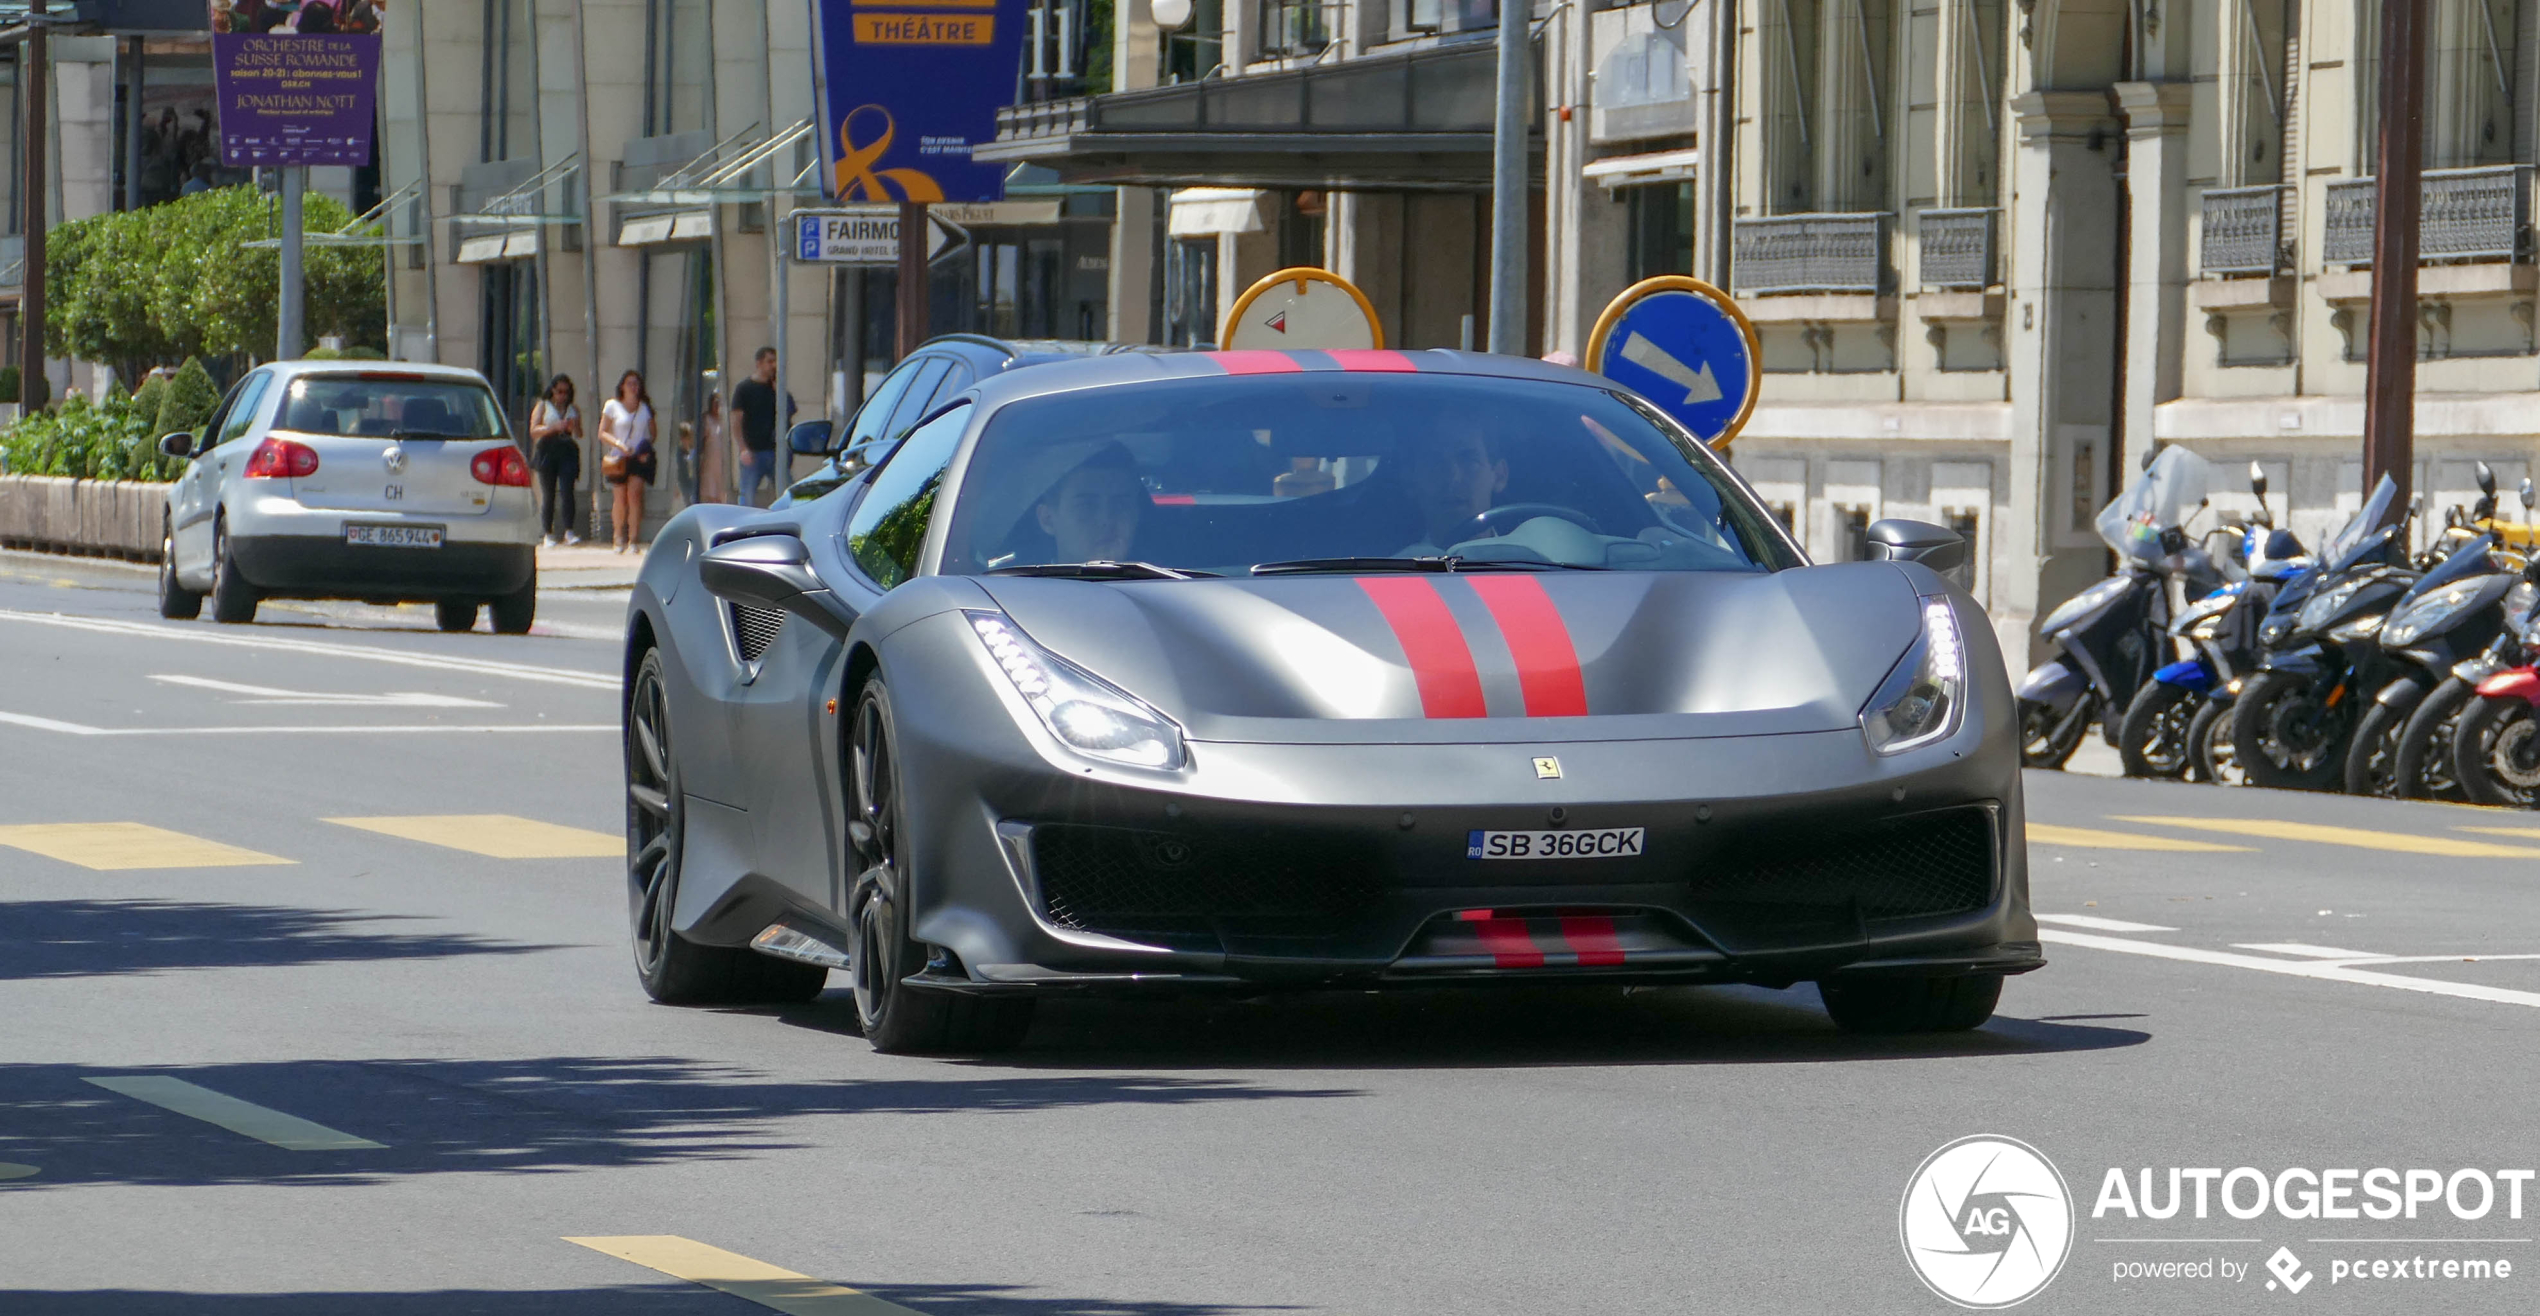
point(1988, 1222)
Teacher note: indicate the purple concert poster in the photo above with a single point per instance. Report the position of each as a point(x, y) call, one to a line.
point(297, 80)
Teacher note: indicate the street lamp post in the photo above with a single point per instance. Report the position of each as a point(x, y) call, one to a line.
point(1508, 185)
point(2390, 371)
point(33, 59)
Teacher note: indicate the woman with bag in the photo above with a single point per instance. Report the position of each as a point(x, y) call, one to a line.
point(555, 434)
point(626, 430)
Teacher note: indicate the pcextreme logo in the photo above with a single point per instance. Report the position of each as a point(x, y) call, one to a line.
point(1986, 1222)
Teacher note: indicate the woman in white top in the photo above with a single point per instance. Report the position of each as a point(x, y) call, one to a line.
point(626, 430)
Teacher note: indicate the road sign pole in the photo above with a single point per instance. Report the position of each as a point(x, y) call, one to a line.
point(913, 301)
point(33, 62)
point(1508, 186)
point(290, 339)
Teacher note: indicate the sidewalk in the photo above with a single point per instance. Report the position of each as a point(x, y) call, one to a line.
point(587, 566)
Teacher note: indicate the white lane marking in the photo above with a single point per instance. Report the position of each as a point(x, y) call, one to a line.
point(196, 633)
point(263, 1123)
point(75, 729)
point(2294, 968)
point(2434, 959)
point(2308, 951)
point(2098, 924)
point(266, 694)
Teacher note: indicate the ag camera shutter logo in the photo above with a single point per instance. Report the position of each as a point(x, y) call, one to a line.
point(1987, 1222)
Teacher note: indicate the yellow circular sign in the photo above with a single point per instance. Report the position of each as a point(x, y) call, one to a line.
point(1301, 308)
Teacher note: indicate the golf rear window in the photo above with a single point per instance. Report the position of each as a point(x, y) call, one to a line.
point(375, 405)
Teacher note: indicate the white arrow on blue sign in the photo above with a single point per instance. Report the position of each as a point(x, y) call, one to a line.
point(1682, 344)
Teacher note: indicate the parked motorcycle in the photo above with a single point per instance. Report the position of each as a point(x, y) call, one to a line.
point(2475, 633)
point(2113, 635)
point(2321, 658)
point(2494, 752)
point(2168, 730)
point(2449, 616)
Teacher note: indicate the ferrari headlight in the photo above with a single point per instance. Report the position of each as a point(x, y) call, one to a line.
point(1921, 701)
point(1086, 714)
point(2430, 613)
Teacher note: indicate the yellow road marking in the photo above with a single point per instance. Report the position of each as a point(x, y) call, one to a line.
point(117, 845)
point(13, 1170)
point(2527, 832)
point(497, 835)
point(2052, 834)
point(264, 1124)
point(2398, 842)
point(730, 1272)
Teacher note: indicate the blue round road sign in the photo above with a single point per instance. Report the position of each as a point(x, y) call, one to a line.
point(1683, 345)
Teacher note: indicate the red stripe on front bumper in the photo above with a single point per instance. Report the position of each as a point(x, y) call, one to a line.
point(1547, 663)
point(1592, 936)
point(1441, 662)
point(1510, 944)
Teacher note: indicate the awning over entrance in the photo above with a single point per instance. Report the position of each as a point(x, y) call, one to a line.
point(1419, 121)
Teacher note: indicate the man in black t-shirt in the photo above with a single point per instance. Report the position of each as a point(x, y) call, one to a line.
point(754, 410)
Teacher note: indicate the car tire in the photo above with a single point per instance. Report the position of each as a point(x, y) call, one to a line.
point(673, 969)
point(2372, 757)
point(2273, 705)
point(2209, 745)
point(455, 615)
point(2048, 741)
point(176, 602)
point(2496, 752)
point(516, 612)
point(2425, 748)
point(897, 1018)
point(1887, 1005)
point(2153, 743)
point(233, 599)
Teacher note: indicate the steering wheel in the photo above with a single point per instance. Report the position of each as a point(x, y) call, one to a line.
point(1500, 520)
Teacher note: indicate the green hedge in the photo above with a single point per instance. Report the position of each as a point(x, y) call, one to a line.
point(110, 440)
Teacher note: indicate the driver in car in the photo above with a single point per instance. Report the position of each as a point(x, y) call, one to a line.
point(1453, 473)
point(1092, 513)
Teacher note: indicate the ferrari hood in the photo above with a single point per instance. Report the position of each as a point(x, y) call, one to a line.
point(1484, 657)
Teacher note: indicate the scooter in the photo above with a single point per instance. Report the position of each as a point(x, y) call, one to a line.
point(2449, 616)
point(2470, 633)
point(2494, 753)
point(2294, 719)
point(2168, 725)
point(2114, 634)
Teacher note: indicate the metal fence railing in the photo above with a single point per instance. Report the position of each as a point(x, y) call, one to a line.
point(2468, 214)
point(2243, 227)
point(1811, 253)
point(1958, 248)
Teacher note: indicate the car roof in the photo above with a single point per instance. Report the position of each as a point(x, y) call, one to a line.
point(389, 369)
point(1134, 367)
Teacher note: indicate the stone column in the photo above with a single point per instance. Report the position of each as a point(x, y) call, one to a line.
point(2062, 349)
point(2156, 115)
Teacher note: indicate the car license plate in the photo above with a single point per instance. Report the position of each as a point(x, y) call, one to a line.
point(1570, 843)
point(393, 536)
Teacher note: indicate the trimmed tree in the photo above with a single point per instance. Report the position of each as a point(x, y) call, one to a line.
point(188, 401)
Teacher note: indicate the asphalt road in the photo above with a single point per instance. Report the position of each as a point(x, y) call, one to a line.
point(287, 1032)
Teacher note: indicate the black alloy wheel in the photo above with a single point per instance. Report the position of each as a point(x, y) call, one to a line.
point(673, 969)
point(2372, 757)
point(2289, 734)
point(2496, 752)
point(897, 1018)
point(1910, 1005)
point(233, 599)
point(2425, 748)
point(2047, 740)
point(2153, 742)
point(176, 602)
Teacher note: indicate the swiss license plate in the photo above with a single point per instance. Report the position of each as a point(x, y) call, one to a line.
point(1569, 843)
point(393, 536)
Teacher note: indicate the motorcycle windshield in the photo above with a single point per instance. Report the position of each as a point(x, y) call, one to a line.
point(2169, 491)
point(2356, 537)
point(2469, 560)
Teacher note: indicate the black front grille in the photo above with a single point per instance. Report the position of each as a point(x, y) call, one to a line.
point(1117, 879)
point(753, 629)
point(1934, 863)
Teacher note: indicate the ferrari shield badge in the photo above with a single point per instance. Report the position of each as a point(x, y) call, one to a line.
point(1547, 769)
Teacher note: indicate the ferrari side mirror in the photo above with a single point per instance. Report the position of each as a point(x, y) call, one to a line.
point(1937, 547)
point(773, 571)
point(812, 438)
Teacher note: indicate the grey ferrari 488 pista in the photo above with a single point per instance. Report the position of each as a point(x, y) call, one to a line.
point(1257, 670)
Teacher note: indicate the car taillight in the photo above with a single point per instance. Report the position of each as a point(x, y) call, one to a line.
point(500, 466)
point(281, 459)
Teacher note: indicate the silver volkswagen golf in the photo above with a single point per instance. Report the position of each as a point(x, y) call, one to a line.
point(383, 482)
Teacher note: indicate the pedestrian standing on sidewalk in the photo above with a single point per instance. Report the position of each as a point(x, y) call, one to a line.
point(754, 406)
point(714, 459)
point(626, 430)
point(555, 453)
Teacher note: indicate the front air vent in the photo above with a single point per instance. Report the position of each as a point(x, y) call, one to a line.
point(753, 629)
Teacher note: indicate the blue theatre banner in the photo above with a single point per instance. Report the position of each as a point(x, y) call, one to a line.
point(907, 88)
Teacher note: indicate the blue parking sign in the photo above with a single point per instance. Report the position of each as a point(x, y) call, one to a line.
point(1684, 346)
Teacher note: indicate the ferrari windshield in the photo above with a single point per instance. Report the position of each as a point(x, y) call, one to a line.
point(1349, 471)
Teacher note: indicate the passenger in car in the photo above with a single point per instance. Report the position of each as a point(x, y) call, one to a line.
point(1092, 514)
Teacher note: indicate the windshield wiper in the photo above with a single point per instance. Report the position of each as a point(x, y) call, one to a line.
point(1345, 565)
point(1103, 569)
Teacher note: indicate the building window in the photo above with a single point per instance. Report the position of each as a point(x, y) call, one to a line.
point(1413, 18)
point(1301, 232)
point(2255, 90)
point(1971, 159)
point(1786, 513)
point(1196, 50)
point(1964, 524)
point(1660, 229)
point(1190, 292)
point(2471, 85)
point(1826, 80)
point(511, 80)
point(1293, 27)
point(1852, 533)
point(678, 67)
point(508, 350)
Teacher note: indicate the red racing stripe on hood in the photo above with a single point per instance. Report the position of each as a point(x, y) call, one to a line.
point(1441, 662)
point(1257, 361)
point(1547, 663)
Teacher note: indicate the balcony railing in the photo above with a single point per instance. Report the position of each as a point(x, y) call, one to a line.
point(1958, 248)
point(2243, 230)
point(2468, 214)
point(1811, 253)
